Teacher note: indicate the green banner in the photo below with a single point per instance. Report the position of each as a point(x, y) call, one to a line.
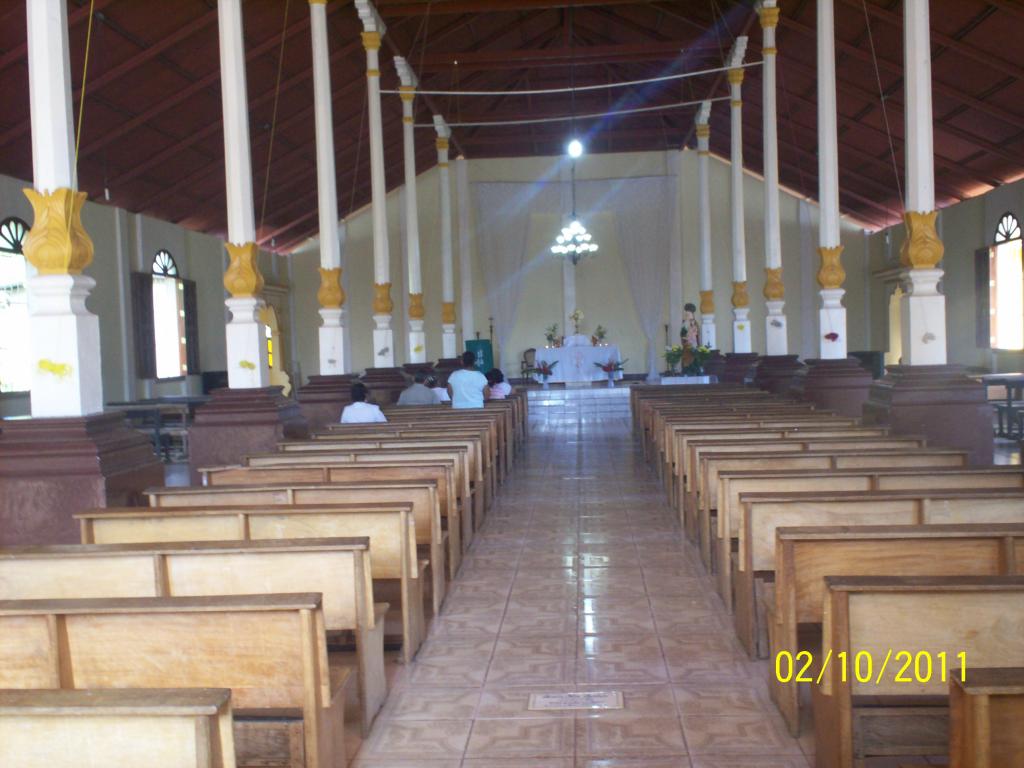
point(484, 353)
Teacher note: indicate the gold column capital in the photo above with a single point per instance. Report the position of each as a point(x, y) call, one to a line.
point(371, 40)
point(58, 244)
point(407, 92)
point(769, 17)
point(407, 119)
point(382, 304)
point(922, 248)
point(703, 130)
point(416, 310)
point(318, 2)
point(736, 75)
point(831, 275)
point(774, 290)
point(331, 295)
point(770, 50)
point(441, 144)
point(242, 278)
point(740, 298)
point(707, 302)
point(737, 103)
point(448, 313)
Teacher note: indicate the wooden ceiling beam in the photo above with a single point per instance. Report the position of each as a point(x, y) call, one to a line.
point(521, 58)
point(448, 7)
point(76, 17)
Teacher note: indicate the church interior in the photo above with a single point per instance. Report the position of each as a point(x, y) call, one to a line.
point(524, 383)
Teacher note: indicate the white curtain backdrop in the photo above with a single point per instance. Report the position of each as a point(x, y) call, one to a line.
point(643, 209)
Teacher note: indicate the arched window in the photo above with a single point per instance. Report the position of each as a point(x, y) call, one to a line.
point(15, 371)
point(169, 318)
point(1006, 287)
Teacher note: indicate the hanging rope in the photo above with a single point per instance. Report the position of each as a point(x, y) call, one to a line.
point(85, 71)
point(582, 88)
point(273, 117)
point(881, 99)
point(564, 118)
point(359, 148)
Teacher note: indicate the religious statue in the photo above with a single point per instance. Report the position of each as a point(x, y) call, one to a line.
point(689, 334)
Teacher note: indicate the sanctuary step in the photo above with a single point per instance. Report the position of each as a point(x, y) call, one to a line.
point(573, 404)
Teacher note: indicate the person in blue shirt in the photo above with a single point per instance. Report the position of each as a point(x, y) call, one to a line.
point(468, 387)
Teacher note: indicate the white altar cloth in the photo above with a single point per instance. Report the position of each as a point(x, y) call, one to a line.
point(578, 363)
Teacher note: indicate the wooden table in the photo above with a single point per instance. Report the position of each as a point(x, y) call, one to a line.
point(159, 413)
point(1014, 384)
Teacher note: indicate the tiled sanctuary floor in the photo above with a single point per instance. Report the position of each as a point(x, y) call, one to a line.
point(580, 581)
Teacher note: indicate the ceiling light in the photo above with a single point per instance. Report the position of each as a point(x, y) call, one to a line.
point(575, 148)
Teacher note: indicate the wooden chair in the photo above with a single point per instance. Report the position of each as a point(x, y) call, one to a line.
point(528, 362)
point(270, 650)
point(170, 728)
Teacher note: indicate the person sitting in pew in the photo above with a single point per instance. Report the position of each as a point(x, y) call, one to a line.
point(359, 411)
point(467, 386)
point(500, 389)
point(418, 393)
point(441, 392)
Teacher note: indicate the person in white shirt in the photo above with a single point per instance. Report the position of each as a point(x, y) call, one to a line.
point(441, 392)
point(359, 411)
point(468, 387)
point(500, 389)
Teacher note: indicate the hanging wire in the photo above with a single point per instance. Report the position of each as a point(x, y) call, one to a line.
point(273, 118)
point(359, 148)
point(881, 99)
point(564, 118)
point(582, 88)
point(85, 72)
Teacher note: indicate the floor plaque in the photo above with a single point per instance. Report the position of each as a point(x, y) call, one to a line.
point(576, 700)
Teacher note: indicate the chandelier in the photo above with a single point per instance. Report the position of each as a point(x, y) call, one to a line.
point(574, 242)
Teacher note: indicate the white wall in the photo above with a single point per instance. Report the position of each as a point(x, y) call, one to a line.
point(602, 291)
point(123, 243)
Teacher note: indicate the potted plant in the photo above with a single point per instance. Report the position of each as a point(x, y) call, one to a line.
point(673, 355)
point(694, 359)
point(544, 369)
point(611, 368)
point(551, 334)
point(599, 335)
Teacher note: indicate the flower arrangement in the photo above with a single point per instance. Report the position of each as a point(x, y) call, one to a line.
point(551, 334)
point(576, 317)
point(544, 369)
point(612, 366)
point(600, 333)
point(673, 355)
point(694, 359)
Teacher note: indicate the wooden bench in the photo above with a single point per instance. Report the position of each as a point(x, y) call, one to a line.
point(390, 529)
point(337, 568)
point(270, 650)
point(980, 617)
point(170, 728)
point(732, 485)
point(422, 497)
point(986, 710)
point(314, 471)
point(806, 555)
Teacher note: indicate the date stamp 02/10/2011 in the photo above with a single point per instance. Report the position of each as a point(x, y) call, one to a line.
point(918, 668)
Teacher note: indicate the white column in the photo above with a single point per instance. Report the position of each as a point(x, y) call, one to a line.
point(331, 296)
point(64, 335)
point(465, 253)
point(383, 336)
point(923, 309)
point(832, 316)
point(707, 294)
point(740, 298)
point(246, 337)
point(776, 342)
point(417, 338)
point(675, 254)
point(448, 342)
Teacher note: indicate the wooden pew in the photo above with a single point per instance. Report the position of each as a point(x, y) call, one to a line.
point(980, 617)
point(170, 728)
point(270, 650)
point(806, 555)
point(390, 529)
point(422, 497)
point(986, 710)
point(313, 470)
point(713, 465)
point(732, 485)
point(339, 569)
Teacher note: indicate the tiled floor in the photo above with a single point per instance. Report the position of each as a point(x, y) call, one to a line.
point(580, 581)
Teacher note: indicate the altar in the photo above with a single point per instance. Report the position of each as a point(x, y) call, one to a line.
point(579, 362)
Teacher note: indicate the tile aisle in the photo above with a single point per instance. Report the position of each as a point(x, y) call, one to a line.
point(580, 581)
